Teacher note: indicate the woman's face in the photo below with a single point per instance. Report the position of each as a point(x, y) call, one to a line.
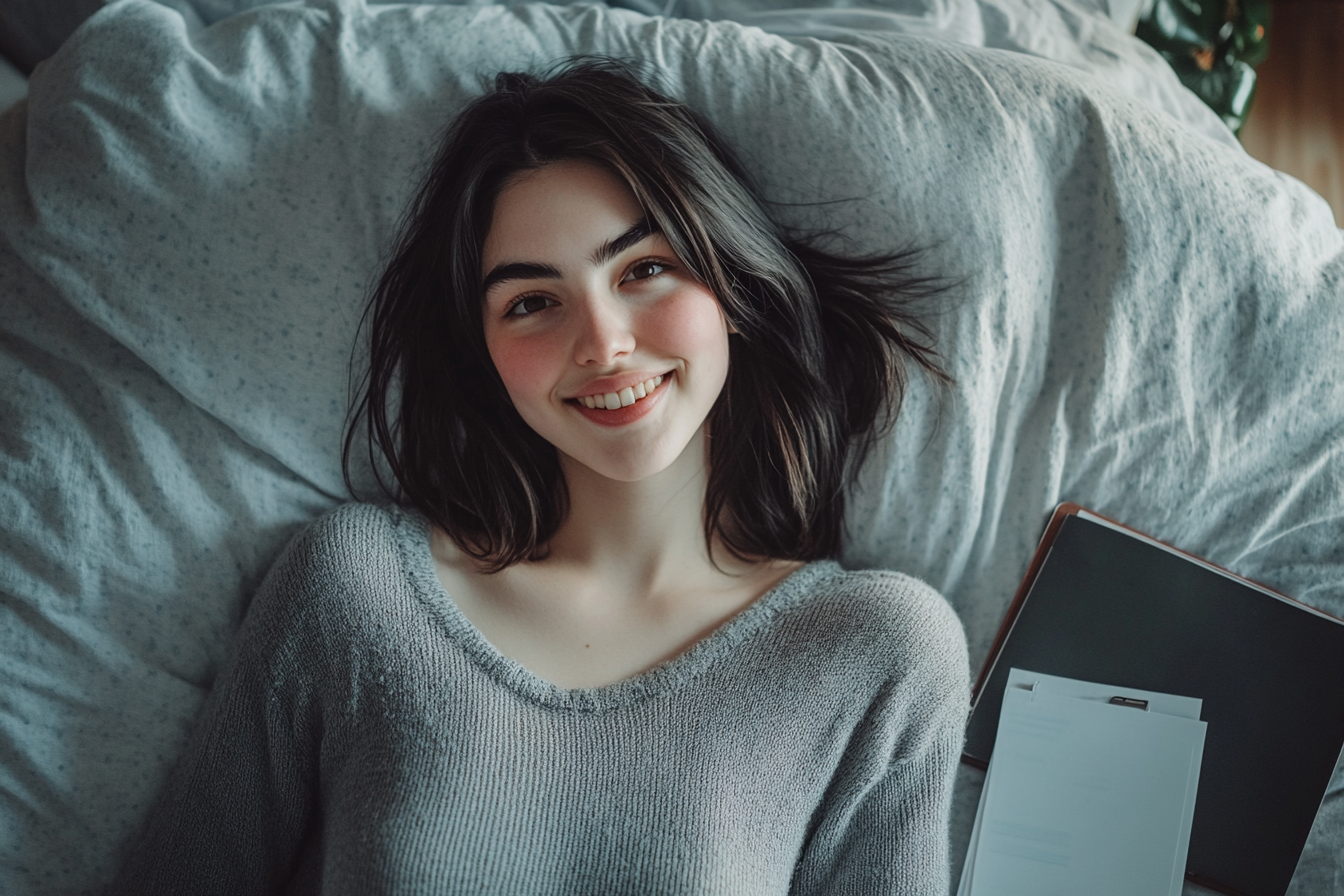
point(586, 311)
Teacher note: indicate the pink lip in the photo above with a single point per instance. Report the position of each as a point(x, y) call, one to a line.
point(617, 383)
point(628, 414)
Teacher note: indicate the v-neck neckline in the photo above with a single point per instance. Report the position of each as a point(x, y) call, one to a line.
point(413, 535)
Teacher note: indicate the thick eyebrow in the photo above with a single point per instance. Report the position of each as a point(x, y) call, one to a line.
point(531, 270)
point(638, 232)
point(518, 270)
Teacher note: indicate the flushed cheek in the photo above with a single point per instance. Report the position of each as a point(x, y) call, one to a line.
point(690, 325)
point(526, 367)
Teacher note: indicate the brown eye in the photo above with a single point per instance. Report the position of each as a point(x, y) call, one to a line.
point(646, 269)
point(529, 305)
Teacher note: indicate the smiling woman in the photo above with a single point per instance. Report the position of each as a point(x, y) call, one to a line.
point(601, 306)
point(598, 644)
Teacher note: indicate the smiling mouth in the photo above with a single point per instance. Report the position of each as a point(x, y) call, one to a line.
point(624, 398)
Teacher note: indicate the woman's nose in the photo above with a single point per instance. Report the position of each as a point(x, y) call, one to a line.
point(605, 332)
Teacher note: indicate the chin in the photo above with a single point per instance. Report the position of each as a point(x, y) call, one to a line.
point(631, 465)
point(637, 471)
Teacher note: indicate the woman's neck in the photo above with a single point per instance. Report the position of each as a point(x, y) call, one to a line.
point(640, 538)
point(628, 582)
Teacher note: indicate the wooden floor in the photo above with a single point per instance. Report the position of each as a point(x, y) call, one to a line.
point(1297, 118)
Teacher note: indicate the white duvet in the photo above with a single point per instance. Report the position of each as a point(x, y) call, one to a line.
point(1151, 324)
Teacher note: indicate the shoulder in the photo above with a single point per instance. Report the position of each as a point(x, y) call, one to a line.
point(351, 540)
point(892, 611)
point(351, 525)
point(902, 643)
point(337, 566)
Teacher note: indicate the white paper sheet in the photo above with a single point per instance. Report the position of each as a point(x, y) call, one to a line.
point(1083, 796)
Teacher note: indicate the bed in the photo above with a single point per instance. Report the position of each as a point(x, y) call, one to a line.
point(194, 199)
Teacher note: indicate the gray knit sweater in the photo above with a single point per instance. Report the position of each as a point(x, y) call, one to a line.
point(366, 739)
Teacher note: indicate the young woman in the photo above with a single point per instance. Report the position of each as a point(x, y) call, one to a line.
point(596, 645)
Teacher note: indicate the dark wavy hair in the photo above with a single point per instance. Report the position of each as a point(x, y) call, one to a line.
point(817, 367)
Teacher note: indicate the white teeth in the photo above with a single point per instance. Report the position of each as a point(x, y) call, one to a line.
point(623, 399)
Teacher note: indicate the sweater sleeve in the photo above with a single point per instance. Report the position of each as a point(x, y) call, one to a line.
point(232, 817)
point(883, 826)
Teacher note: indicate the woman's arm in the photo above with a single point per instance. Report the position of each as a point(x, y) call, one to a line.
point(234, 813)
point(883, 825)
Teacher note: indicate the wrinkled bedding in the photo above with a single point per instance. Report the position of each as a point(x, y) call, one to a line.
point(1149, 323)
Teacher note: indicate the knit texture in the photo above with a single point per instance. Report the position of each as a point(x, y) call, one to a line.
point(366, 739)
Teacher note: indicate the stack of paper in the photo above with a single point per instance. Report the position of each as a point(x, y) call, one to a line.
point(1090, 789)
